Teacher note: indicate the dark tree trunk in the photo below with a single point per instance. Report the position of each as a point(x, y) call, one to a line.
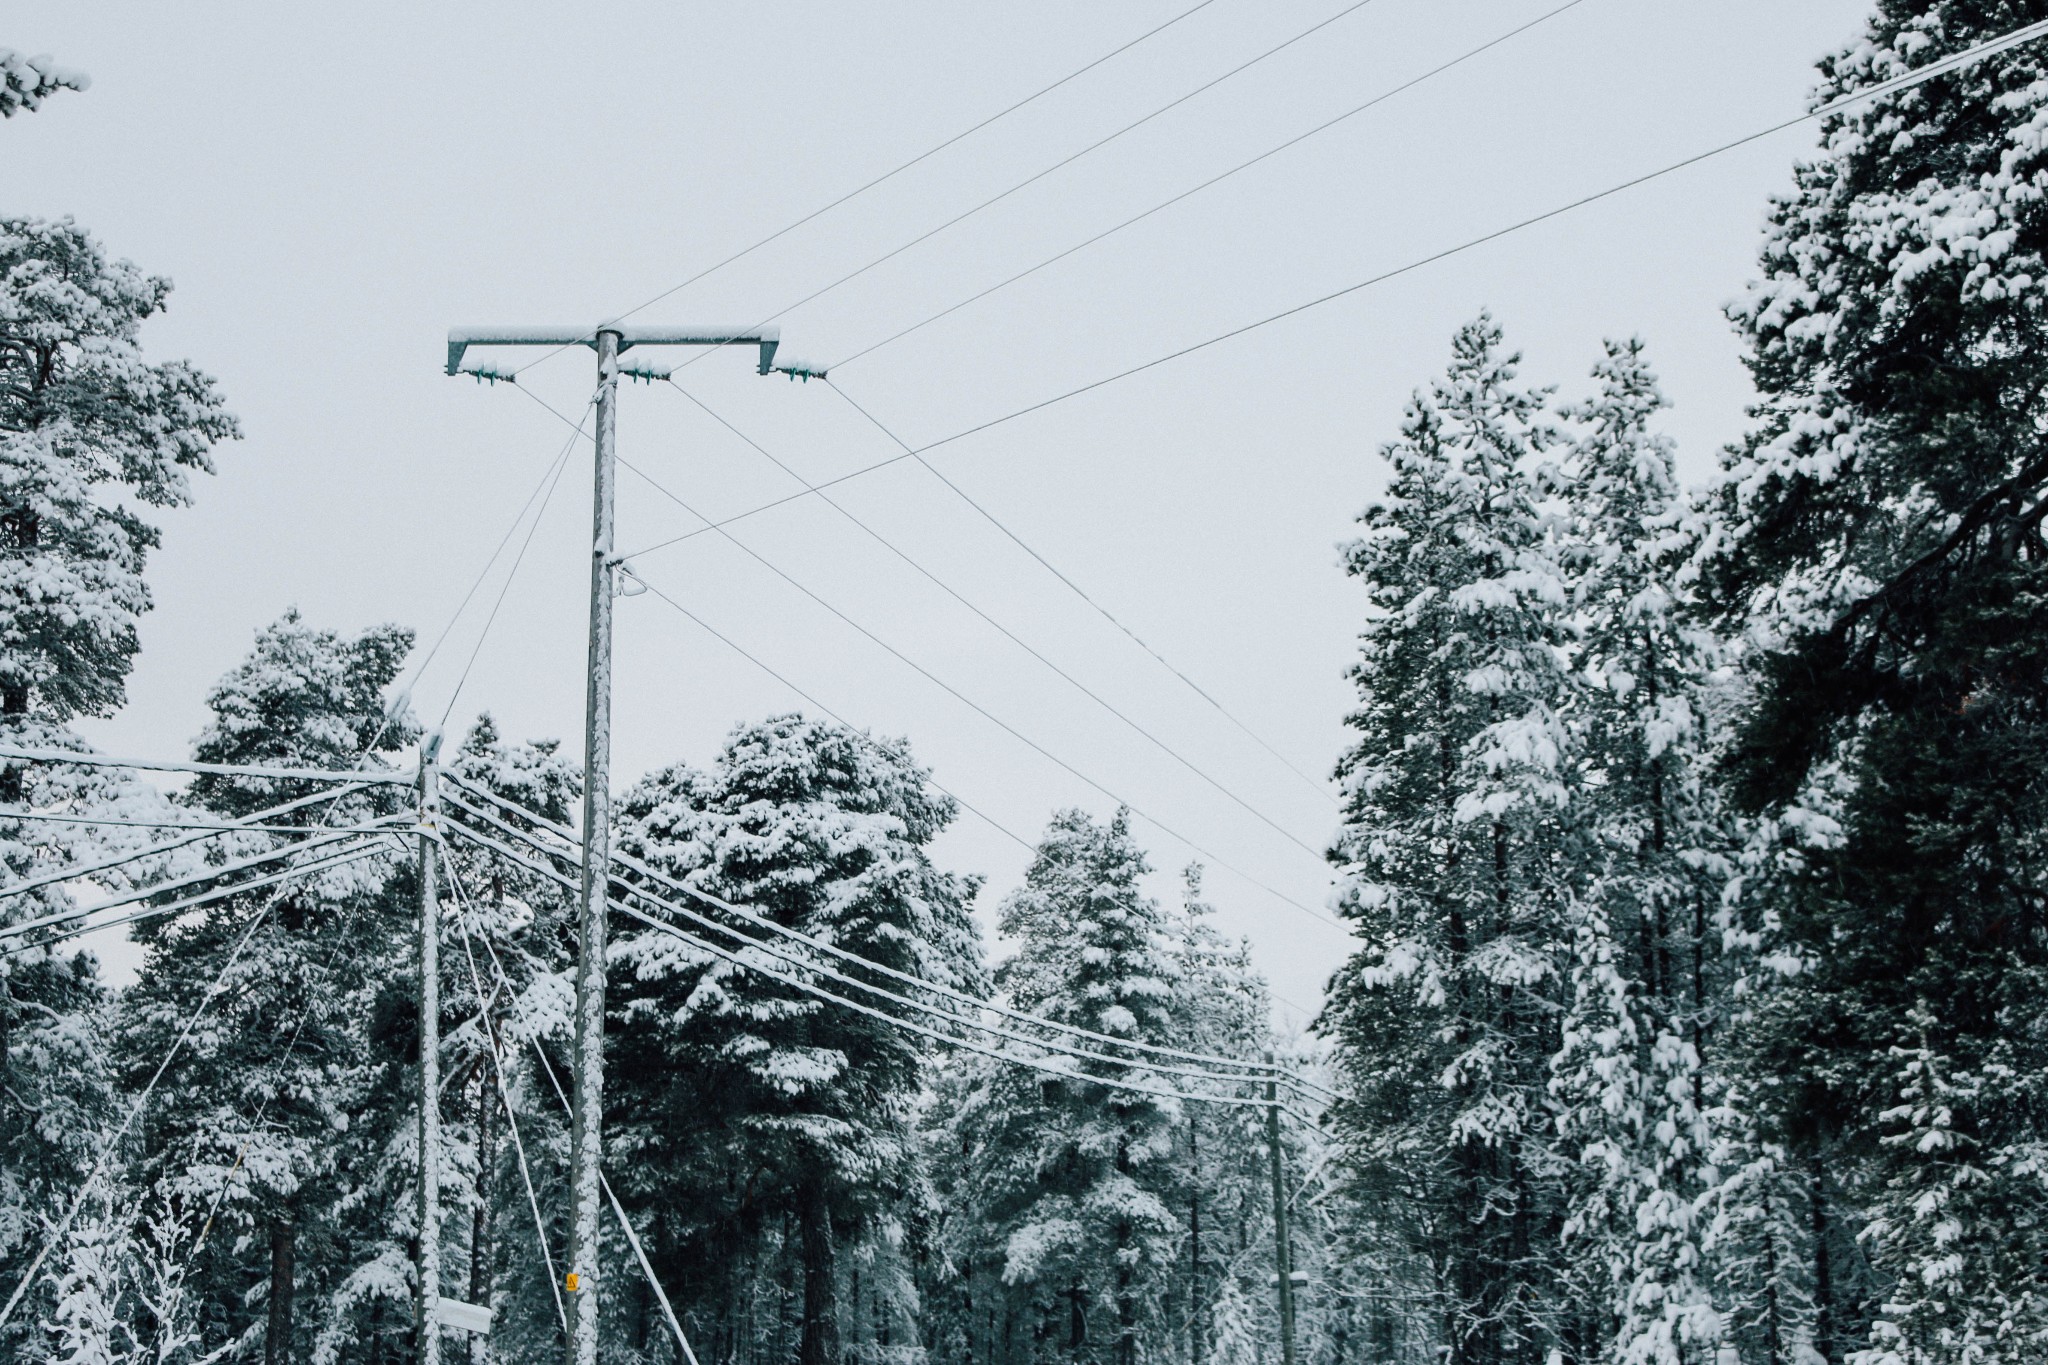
point(820, 1341)
point(1823, 1270)
point(277, 1335)
point(480, 1220)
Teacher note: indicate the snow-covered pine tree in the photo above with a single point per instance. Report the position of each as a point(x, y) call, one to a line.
point(1881, 542)
point(1063, 1208)
point(763, 1124)
point(264, 1115)
point(91, 435)
point(1457, 858)
point(1645, 993)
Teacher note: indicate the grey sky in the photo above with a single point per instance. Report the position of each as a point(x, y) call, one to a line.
point(333, 187)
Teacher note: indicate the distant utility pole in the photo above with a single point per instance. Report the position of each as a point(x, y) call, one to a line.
point(586, 1139)
point(427, 1321)
point(1283, 1253)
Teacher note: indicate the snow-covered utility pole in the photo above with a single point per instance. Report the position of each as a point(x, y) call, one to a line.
point(428, 1320)
point(586, 1140)
point(1283, 1254)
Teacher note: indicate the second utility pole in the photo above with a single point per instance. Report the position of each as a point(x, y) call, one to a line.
point(1283, 1253)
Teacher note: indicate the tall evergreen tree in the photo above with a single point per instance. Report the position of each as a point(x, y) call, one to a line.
point(763, 1120)
point(1631, 1078)
point(1881, 542)
point(1064, 1215)
point(265, 1118)
point(92, 435)
point(1457, 856)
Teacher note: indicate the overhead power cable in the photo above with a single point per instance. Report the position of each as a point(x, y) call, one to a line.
point(1104, 612)
point(1945, 65)
point(11, 753)
point(908, 1025)
point(75, 871)
point(354, 854)
point(1007, 633)
point(991, 717)
point(954, 1017)
point(1213, 180)
point(891, 174)
point(1063, 162)
point(749, 915)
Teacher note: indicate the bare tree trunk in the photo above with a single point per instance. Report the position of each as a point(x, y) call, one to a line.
point(820, 1341)
point(277, 1335)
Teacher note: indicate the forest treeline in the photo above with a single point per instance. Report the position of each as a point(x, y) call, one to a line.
point(1692, 840)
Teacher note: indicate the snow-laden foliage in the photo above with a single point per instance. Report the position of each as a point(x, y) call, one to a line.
point(25, 82)
point(1459, 854)
point(268, 1123)
point(800, 1109)
point(1878, 538)
point(1631, 1076)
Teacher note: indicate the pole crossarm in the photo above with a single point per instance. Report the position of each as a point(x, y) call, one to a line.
point(768, 338)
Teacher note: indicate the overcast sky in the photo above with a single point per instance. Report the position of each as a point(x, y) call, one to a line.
point(333, 187)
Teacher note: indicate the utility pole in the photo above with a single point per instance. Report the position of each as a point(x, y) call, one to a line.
point(428, 1320)
point(586, 1141)
point(1283, 1254)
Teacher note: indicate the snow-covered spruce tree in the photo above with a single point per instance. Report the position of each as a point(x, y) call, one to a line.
point(763, 1131)
point(1060, 1216)
point(266, 1114)
point(1631, 1080)
point(1882, 544)
point(90, 434)
point(1456, 859)
point(25, 82)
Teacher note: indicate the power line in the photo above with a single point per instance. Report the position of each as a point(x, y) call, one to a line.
point(988, 715)
point(1065, 161)
point(1967, 57)
point(1325, 126)
point(1004, 630)
point(755, 918)
point(925, 155)
point(552, 480)
point(1083, 594)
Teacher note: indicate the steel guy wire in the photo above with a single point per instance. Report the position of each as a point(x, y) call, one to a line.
point(753, 916)
point(1218, 179)
point(505, 1095)
point(1967, 57)
point(892, 174)
point(1033, 179)
point(1320, 788)
point(1005, 631)
point(553, 479)
point(618, 1209)
point(996, 720)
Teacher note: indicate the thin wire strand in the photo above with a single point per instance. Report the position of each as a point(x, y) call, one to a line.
point(1082, 593)
point(1257, 1075)
point(1063, 162)
point(1008, 634)
point(925, 155)
point(552, 480)
point(2017, 37)
point(996, 720)
point(1218, 179)
point(755, 917)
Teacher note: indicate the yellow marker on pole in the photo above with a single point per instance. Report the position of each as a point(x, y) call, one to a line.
point(570, 1283)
